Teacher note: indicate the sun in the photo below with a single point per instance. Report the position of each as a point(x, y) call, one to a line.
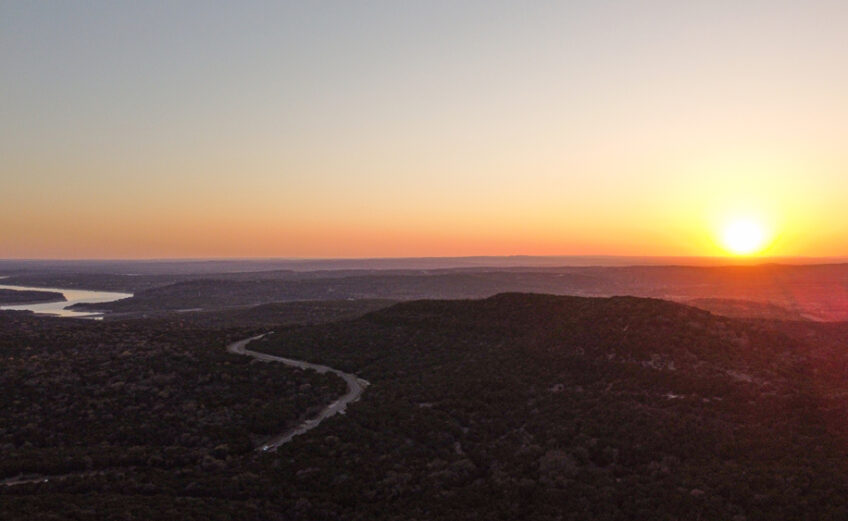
point(744, 237)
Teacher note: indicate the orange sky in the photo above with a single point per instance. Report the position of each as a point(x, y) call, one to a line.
point(336, 130)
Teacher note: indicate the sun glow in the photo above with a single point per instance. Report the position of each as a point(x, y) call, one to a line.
point(744, 237)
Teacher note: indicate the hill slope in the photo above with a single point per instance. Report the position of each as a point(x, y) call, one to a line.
point(543, 407)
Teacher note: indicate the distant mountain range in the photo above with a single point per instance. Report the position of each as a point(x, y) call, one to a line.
point(209, 266)
point(802, 292)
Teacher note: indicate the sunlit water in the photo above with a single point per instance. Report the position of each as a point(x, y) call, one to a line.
point(72, 296)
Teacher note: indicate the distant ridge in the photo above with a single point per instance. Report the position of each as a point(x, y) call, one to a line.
point(200, 266)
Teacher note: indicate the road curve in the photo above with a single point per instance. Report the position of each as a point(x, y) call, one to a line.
point(355, 387)
point(26, 479)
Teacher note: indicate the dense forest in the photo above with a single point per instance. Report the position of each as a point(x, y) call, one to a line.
point(567, 408)
point(140, 406)
point(513, 407)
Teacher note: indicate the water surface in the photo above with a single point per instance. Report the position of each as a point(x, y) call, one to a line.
point(72, 296)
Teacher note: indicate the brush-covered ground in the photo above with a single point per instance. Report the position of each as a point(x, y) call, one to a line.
point(513, 407)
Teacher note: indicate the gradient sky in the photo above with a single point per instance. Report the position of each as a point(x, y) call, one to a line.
point(351, 129)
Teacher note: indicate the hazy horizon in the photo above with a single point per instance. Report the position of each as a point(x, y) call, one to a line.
point(440, 262)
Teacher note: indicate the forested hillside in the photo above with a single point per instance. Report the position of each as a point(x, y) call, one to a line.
point(539, 407)
point(514, 407)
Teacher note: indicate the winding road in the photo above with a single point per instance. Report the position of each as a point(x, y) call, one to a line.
point(355, 387)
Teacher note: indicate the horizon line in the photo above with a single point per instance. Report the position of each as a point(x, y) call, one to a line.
point(728, 259)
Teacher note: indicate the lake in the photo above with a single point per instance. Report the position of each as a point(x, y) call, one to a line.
point(73, 296)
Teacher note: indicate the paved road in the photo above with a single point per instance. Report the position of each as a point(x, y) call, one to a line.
point(355, 386)
point(25, 479)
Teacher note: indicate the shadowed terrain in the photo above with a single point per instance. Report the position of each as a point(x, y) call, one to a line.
point(517, 405)
point(11, 297)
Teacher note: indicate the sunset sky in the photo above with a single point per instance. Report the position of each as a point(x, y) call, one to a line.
point(373, 129)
